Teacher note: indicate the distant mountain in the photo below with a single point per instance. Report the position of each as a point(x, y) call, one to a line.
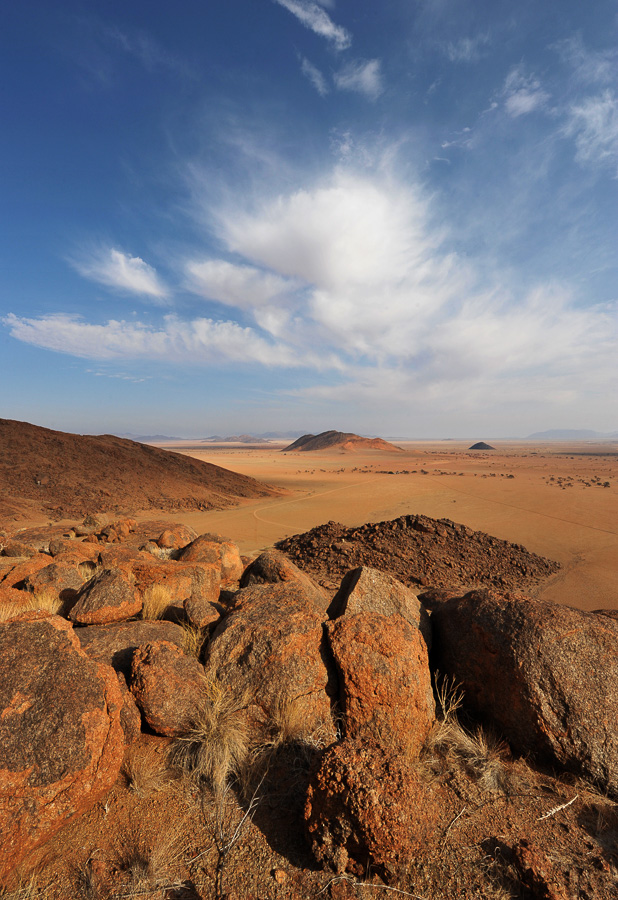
point(339, 440)
point(148, 438)
point(256, 438)
point(570, 434)
point(234, 439)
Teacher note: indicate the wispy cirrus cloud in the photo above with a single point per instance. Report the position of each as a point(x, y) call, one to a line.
point(593, 123)
point(314, 17)
point(199, 341)
point(523, 93)
point(363, 76)
point(467, 50)
point(122, 272)
point(313, 74)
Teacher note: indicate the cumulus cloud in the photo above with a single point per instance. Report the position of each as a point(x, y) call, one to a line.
point(523, 93)
point(362, 76)
point(593, 123)
point(313, 16)
point(315, 77)
point(200, 341)
point(122, 272)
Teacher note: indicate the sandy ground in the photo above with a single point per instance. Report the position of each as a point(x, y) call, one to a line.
point(555, 504)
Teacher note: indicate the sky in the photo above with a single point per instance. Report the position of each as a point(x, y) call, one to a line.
point(393, 217)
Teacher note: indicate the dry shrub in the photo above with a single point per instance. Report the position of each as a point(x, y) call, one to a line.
point(142, 772)
point(478, 752)
point(25, 890)
point(215, 748)
point(145, 869)
point(193, 639)
point(156, 601)
point(48, 600)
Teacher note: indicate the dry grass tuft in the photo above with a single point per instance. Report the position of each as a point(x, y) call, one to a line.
point(478, 752)
point(215, 749)
point(156, 601)
point(194, 639)
point(143, 773)
point(25, 890)
point(144, 869)
point(45, 599)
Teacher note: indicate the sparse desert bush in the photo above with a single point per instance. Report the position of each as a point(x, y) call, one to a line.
point(215, 748)
point(156, 601)
point(27, 889)
point(146, 868)
point(194, 639)
point(479, 752)
point(143, 773)
point(48, 600)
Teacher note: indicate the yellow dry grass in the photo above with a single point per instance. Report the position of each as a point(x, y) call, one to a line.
point(156, 601)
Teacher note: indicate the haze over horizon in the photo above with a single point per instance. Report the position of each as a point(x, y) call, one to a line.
point(390, 219)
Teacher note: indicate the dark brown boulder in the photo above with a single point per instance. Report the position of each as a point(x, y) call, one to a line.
point(114, 645)
point(545, 675)
point(17, 549)
point(64, 580)
point(367, 809)
point(273, 567)
point(61, 740)
point(270, 648)
point(366, 590)
point(203, 613)
point(168, 687)
point(108, 597)
point(130, 717)
point(384, 680)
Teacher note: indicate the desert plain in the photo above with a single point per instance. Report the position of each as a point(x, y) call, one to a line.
point(558, 499)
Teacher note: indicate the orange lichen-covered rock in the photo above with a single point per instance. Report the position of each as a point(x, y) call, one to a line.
point(106, 598)
point(545, 675)
point(168, 687)
point(367, 809)
point(61, 740)
point(210, 548)
point(384, 679)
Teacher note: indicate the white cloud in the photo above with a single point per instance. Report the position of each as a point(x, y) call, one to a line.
point(197, 342)
point(123, 272)
point(589, 66)
point(594, 125)
point(316, 19)
point(243, 287)
point(315, 77)
point(467, 49)
point(363, 76)
point(523, 93)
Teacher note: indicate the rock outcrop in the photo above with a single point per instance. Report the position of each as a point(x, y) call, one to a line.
point(61, 737)
point(545, 676)
point(167, 686)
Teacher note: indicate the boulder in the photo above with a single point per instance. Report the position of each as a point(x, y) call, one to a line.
point(106, 598)
point(367, 809)
point(209, 548)
point(114, 645)
point(545, 675)
point(175, 537)
point(168, 687)
point(130, 717)
point(270, 649)
point(64, 580)
point(273, 567)
point(201, 612)
point(61, 740)
point(182, 580)
point(18, 549)
point(366, 590)
point(17, 574)
point(384, 680)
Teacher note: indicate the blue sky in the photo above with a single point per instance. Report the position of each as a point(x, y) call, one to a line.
point(394, 217)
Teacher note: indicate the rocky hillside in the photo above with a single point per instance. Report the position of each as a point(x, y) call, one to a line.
point(177, 722)
point(339, 440)
point(419, 551)
point(71, 474)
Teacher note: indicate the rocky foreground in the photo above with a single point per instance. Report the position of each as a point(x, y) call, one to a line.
point(177, 721)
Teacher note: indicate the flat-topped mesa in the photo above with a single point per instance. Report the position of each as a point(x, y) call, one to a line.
point(339, 440)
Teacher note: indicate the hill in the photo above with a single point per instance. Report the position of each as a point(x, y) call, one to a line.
point(339, 440)
point(571, 434)
point(71, 475)
point(419, 551)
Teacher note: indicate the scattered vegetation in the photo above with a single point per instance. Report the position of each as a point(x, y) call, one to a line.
point(143, 775)
point(215, 749)
point(156, 601)
point(194, 639)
